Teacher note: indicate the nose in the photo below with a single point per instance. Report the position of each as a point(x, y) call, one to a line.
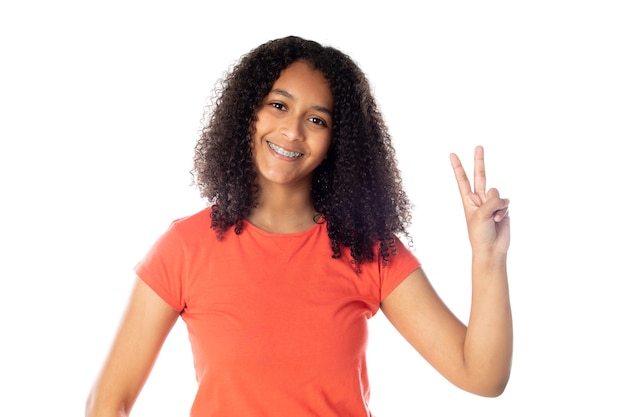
point(292, 128)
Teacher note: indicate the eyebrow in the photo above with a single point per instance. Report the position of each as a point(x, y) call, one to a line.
point(287, 94)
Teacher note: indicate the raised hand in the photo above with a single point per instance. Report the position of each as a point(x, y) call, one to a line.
point(485, 212)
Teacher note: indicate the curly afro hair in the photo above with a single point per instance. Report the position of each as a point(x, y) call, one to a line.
point(357, 189)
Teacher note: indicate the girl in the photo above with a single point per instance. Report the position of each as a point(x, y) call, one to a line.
point(297, 248)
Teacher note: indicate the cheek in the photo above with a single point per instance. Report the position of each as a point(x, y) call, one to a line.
point(328, 141)
point(262, 122)
point(257, 134)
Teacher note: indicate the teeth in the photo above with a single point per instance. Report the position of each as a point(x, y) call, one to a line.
point(283, 152)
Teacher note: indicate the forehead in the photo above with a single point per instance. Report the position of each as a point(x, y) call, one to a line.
point(301, 81)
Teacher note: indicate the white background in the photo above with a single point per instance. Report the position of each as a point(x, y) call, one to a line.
point(100, 105)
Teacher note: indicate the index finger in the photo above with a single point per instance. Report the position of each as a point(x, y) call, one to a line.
point(461, 177)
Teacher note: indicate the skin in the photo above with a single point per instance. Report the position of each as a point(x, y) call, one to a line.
point(296, 117)
point(144, 327)
point(476, 357)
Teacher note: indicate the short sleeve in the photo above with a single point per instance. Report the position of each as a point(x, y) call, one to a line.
point(398, 267)
point(163, 267)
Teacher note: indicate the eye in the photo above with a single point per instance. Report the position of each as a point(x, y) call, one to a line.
point(318, 121)
point(279, 106)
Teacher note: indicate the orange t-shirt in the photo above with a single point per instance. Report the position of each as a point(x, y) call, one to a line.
point(277, 326)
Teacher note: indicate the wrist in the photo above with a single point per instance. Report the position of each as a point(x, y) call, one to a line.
point(489, 259)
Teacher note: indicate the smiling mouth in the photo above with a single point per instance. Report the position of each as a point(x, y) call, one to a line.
point(284, 152)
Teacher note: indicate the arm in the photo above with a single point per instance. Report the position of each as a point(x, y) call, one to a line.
point(145, 325)
point(476, 357)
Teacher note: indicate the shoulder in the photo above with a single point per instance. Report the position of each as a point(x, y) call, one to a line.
point(193, 223)
point(191, 230)
point(396, 248)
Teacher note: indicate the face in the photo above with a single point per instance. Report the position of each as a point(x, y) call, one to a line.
point(293, 128)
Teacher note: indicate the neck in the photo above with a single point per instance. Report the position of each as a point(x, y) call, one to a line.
point(283, 211)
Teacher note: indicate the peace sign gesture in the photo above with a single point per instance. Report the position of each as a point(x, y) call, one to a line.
point(486, 213)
